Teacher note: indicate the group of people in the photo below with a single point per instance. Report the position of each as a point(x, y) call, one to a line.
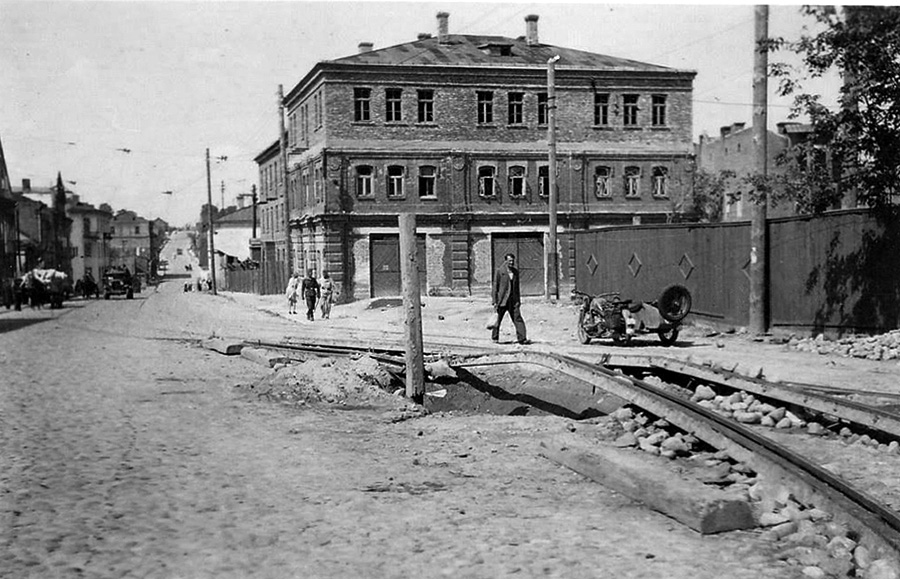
point(313, 292)
point(506, 297)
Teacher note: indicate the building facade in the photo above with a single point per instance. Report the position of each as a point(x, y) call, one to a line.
point(131, 242)
point(90, 239)
point(733, 150)
point(454, 128)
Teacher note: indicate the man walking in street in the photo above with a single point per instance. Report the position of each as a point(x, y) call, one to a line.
point(507, 299)
point(311, 292)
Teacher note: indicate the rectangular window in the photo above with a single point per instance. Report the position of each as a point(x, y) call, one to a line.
point(485, 107)
point(319, 184)
point(630, 110)
point(658, 110)
point(364, 178)
point(137, 229)
point(660, 182)
point(392, 108)
point(544, 181)
point(427, 178)
point(542, 110)
point(88, 249)
point(517, 181)
point(601, 181)
point(516, 108)
point(426, 106)
point(395, 181)
point(486, 181)
point(632, 182)
point(601, 109)
point(361, 104)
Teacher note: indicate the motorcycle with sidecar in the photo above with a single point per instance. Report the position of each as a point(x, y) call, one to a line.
point(608, 316)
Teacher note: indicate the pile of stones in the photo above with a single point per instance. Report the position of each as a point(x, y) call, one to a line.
point(880, 347)
point(808, 537)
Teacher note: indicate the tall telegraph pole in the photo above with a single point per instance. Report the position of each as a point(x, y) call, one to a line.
point(552, 286)
point(284, 164)
point(758, 210)
point(209, 225)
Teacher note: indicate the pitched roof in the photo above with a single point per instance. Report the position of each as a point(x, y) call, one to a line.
point(474, 50)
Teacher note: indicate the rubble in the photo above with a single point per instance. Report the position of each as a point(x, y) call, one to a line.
point(879, 347)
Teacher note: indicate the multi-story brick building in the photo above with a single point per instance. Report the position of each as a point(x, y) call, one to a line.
point(454, 128)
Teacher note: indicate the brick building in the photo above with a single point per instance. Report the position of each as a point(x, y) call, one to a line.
point(454, 128)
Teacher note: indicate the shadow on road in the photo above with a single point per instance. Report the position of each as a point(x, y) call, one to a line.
point(10, 325)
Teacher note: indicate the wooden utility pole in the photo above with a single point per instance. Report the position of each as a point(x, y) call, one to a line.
point(283, 140)
point(253, 197)
point(409, 275)
point(552, 286)
point(758, 210)
point(209, 226)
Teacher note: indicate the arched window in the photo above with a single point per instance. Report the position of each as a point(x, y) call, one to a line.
point(395, 181)
point(602, 176)
point(486, 178)
point(632, 181)
point(517, 181)
point(660, 182)
point(364, 178)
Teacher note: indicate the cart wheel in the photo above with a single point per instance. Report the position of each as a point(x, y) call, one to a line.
point(668, 337)
point(674, 303)
point(583, 335)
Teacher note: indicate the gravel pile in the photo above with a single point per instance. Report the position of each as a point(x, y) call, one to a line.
point(880, 347)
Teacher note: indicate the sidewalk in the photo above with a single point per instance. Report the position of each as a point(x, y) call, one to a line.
point(552, 327)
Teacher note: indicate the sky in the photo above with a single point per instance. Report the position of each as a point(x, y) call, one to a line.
point(123, 98)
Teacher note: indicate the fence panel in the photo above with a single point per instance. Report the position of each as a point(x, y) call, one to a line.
point(835, 272)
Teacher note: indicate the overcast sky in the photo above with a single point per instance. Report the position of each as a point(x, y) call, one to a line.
point(81, 81)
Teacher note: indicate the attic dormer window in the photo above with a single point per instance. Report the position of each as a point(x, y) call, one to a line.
point(496, 49)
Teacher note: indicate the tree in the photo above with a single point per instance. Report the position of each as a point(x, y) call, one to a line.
point(862, 43)
point(709, 191)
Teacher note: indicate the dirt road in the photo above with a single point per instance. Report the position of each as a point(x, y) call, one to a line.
point(128, 451)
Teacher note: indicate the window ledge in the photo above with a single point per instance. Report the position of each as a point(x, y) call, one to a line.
point(486, 126)
point(631, 128)
point(363, 123)
point(517, 126)
point(662, 128)
point(428, 198)
point(396, 124)
point(429, 124)
point(602, 127)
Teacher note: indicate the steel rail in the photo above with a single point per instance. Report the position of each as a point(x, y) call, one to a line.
point(807, 396)
point(873, 521)
point(811, 484)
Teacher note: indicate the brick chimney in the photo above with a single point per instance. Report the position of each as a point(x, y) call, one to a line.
point(443, 19)
point(531, 30)
point(365, 47)
point(26, 185)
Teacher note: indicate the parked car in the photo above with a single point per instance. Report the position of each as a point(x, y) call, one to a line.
point(117, 282)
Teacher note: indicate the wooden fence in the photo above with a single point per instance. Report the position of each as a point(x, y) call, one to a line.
point(836, 273)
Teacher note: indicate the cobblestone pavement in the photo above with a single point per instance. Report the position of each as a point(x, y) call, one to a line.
point(127, 451)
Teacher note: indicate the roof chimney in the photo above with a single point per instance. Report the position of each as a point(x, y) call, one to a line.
point(365, 47)
point(443, 27)
point(531, 30)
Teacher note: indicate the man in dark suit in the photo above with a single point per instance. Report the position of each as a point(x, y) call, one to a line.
point(507, 299)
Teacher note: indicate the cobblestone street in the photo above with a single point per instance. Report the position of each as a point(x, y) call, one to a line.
point(127, 451)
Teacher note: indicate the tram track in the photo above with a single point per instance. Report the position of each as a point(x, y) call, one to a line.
point(876, 524)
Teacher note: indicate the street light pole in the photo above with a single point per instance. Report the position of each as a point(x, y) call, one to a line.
point(209, 224)
point(552, 286)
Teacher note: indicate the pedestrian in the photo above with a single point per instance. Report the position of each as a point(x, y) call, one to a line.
point(311, 292)
point(291, 292)
point(507, 299)
point(327, 287)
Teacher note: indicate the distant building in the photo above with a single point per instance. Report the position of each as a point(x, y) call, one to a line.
point(90, 239)
point(232, 235)
point(454, 128)
point(131, 242)
point(44, 229)
point(733, 150)
point(8, 245)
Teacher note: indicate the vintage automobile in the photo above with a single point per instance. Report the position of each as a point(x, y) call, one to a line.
point(117, 282)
